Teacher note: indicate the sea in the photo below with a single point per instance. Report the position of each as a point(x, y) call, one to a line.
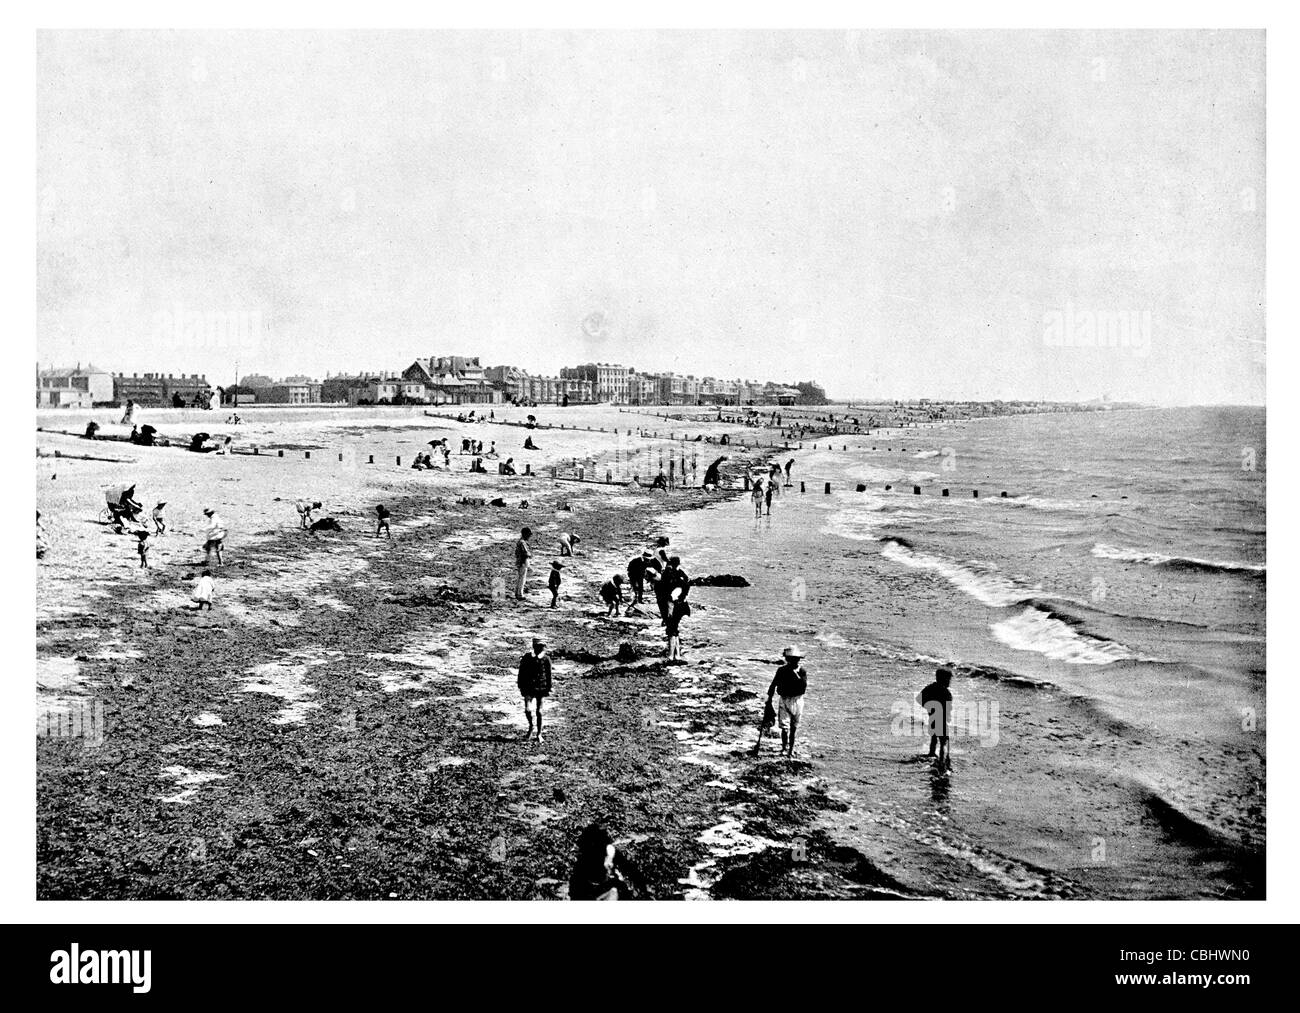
point(1095, 580)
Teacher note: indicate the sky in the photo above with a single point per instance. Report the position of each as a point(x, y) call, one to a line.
point(1058, 215)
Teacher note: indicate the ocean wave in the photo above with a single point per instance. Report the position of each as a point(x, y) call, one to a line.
point(976, 580)
point(923, 454)
point(1124, 555)
point(1034, 629)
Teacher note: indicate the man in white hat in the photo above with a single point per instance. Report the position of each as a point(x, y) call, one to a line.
point(790, 683)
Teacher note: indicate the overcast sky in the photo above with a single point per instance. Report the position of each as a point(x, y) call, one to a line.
point(897, 214)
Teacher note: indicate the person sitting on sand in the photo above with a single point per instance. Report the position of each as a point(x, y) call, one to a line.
point(660, 482)
point(936, 698)
point(553, 582)
point(612, 593)
point(129, 414)
point(305, 508)
point(713, 474)
point(91, 429)
point(142, 547)
point(601, 872)
point(790, 683)
point(203, 592)
point(492, 454)
point(477, 466)
point(215, 537)
point(534, 683)
point(382, 515)
point(568, 542)
point(159, 517)
point(528, 444)
point(509, 467)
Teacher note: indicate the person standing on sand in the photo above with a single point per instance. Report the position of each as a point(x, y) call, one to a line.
point(790, 683)
point(680, 609)
point(553, 582)
point(758, 497)
point(673, 577)
point(768, 493)
point(636, 573)
point(159, 519)
point(203, 592)
point(522, 555)
point(534, 684)
point(788, 465)
point(936, 698)
point(215, 537)
point(381, 525)
point(142, 547)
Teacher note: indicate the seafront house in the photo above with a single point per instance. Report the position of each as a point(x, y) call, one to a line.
point(453, 379)
point(73, 387)
point(154, 390)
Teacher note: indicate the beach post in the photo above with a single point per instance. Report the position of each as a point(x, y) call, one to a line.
point(945, 492)
point(528, 468)
point(372, 459)
point(1004, 494)
point(399, 462)
point(916, 490)
point(801, 487)
point(888, 487)
point(280, 452)
point(975, 494)
point(862, 487)
point(828, 488)
point(255, 452)
point(746, 481)
point(306, 455)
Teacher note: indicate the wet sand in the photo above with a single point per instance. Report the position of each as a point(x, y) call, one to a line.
point(345, 724)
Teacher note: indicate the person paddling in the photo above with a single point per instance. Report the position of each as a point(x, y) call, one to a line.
point(790, 684)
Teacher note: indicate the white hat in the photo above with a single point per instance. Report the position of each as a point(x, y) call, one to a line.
point(792, 652)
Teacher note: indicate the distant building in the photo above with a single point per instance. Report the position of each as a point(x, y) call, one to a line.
point(453, 379)
point(291, 390)
point(154, 390)
point(73, 387)
point(256, 380)
point(610, 381)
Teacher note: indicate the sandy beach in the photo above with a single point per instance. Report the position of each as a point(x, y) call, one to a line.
point(344, 723)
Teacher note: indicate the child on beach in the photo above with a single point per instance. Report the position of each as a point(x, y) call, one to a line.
point(758, 497)
point(601, 872)
point(680, 609)
point(522, 555)
point(215, 538)
point(534, 683)
point(381, 512)
point(142, 547)
point(936, 698)
point(553, 582)
point(567, 543)
point(305, 508)
point(159, 519)
point(203, 592)
point(612, 593)
point(767, 495)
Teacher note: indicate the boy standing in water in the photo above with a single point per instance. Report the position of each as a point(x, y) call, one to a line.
point(534, 684)
point(936, 698)
point(790, 683)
